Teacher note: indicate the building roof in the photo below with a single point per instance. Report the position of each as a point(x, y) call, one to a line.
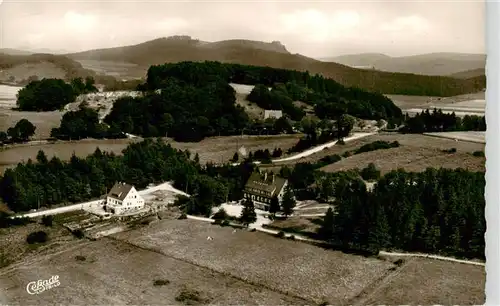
point(120, 190)
point(258, 181)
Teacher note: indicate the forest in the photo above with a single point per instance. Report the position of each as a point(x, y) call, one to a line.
point(190, 101)
point(437, 121)
point(312, 89)
point(436, 211)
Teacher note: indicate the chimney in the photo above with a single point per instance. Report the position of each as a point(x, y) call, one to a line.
point(265, 176)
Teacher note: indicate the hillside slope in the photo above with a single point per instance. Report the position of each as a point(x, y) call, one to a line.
point(169, 50)
point(19, 69)
point(425, 64)
point(469, 73)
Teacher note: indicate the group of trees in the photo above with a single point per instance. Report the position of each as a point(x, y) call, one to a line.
point(20, 132)
point(52, 94)
point(436, 211)
point(185, 112)
point(45, 95)
point(84, 123)
point(437, 121)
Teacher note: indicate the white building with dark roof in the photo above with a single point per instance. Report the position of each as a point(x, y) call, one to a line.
point(276, 114)
point(123, 198)
point(262, 187)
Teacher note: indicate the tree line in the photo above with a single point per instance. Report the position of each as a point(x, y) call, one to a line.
point(437, 121)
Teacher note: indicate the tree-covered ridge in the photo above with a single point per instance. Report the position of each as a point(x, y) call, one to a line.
point(312, 89)
point(190, 101)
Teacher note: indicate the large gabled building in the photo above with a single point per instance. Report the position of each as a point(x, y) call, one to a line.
point(123, 198)
point(262, 187)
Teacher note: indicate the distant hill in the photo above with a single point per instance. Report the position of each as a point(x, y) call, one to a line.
point(19, 69)
point(469, 73)
point(424, 64)
point(184, 48)
point(10, 51)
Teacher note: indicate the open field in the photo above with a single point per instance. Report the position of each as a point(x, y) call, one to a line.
point(252, 109)
point(120, 70)
point(304, 270)
point(116, 273)
point(412, 146)
point(42, 69)
point(479, 137)
point(469, 104)
point(44, 121)
point(214, 149)
point(222, 149)
point(410, 158)
point(234, 268)
point(9, 157)
point(306, 226)
point(430, 282)
point(13, 246)
point(407, 102)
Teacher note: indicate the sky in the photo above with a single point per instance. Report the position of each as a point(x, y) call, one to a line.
point(313, 28)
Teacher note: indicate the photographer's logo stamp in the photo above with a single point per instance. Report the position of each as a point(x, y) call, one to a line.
point(40, 285)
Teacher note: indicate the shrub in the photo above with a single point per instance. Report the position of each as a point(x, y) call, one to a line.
point(280, 234)
point(225, 223)
point(370, 172)
point(452, 150)
point(399, 262)
point(190, 297)
point(80, 258)
point(47, 220)
point(220, 215)
point(37, 237)
point(292, 237)
point(377, 145)
point(161, 282)
point(182, 217)
point(347, 154)
point(78, 233)
point(478, 153)
point(341, 142)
